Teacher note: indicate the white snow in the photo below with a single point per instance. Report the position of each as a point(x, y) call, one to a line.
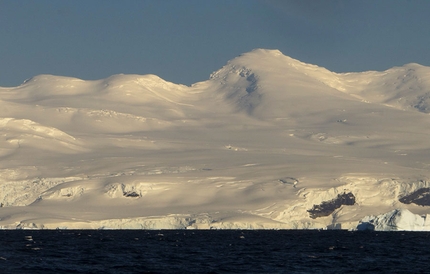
point(256, 146)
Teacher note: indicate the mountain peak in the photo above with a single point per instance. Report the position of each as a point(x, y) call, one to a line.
point(268, 52)
point(265, 54)
point(266, 61)
point(255, 60)
point(49, 78)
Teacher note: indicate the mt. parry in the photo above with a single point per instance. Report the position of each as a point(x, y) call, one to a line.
point(268, 142)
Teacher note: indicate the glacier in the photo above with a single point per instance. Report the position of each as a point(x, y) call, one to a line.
point(267, 142)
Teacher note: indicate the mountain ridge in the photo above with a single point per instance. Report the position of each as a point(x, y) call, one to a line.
point(253, 67)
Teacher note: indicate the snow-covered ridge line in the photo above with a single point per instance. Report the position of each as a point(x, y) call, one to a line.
point(267, 142)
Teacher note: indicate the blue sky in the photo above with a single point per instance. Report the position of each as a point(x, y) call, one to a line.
point(183, 41)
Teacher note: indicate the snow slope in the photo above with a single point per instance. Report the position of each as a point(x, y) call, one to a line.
point(268, 142)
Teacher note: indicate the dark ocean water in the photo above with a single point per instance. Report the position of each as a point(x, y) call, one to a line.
point(213, 251)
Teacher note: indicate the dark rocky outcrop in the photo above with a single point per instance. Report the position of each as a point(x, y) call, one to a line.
point(419, 197)
point(289, 180)
point(131, 194)
point(328, 207)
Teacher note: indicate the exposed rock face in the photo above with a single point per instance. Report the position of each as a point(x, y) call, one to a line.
point(289, 180)
point(419, 197)
point(422, 103)
point(328, 207)
point(131, 194)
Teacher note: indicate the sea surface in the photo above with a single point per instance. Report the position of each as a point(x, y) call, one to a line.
point(213, 251)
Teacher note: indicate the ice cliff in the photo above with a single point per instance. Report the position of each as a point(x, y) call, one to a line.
point(396, 220)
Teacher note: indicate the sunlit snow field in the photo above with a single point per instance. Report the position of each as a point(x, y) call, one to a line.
point(266, 143)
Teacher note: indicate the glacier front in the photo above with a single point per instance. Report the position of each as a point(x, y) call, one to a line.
point(396, 220)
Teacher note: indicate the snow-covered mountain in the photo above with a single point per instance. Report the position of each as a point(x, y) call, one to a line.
point(267, 142)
